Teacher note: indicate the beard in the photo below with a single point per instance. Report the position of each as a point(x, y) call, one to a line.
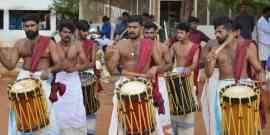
point(31, 34)
point(132, 35)
point(222, 40)
point(66, 39)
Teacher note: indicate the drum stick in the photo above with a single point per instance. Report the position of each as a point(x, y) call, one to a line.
point(166, 32)
point(224, 44)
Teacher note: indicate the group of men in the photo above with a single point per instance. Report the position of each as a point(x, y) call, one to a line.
point(141, 55)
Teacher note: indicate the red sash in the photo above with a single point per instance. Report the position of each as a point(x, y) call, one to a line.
point(88, 45)
point(145, 49)
point(189, 60)
point(241, 52)
point(39, 49)
point(146, 46)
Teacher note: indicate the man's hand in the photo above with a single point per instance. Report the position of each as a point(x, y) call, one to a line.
point(46, 74)
point(152, 72)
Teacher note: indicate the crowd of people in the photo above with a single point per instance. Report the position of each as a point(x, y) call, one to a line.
point(152, 73)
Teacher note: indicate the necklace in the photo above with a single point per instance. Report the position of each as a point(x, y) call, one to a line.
point(134, 50)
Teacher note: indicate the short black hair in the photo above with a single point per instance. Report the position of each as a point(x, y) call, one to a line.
point(266, 9)
point(82, 25)
point(149, 25)
point(67, 24)
point(125, 14)
point(183, 26)
point(223, 20)
point(193, 19)
point(30, 17)
point(135, 18)
point(105, 19)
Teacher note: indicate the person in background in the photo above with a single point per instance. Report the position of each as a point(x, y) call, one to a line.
point(106, 27)
point(246, 21)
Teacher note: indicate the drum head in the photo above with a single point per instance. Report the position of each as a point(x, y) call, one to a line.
point(134, 87)
point(239, 92)
point(24, 86)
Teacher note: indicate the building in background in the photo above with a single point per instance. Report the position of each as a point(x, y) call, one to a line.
point(11, 13)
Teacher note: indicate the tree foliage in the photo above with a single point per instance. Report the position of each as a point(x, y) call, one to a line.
point(67, 9)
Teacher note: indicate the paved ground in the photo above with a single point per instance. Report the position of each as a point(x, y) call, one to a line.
point(103, 114)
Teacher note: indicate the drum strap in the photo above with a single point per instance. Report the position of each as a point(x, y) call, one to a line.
point(39, 49)
point(241, 51)
point(88, 45)
point(145, 46)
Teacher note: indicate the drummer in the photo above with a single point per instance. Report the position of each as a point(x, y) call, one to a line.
point(151, 32)
point(38, 61)
point(133, 56)
point(90, 51)
point(232, 63)
point(70, 111)
point(186, 54)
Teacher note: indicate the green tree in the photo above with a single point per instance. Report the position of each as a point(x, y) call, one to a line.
point(66, 9)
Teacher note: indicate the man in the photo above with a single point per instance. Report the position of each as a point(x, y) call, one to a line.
point(263, 35)
point(150, 32)
point(90, 51)
point(121, 25)
point(70, 111)
point(232, 62)
point(246, 21)
point(41, 57)
point(196, 35)
point(134, 57)
point(106, 27)
point(186, 54)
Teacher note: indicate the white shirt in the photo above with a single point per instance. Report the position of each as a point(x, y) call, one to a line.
point(263, 31)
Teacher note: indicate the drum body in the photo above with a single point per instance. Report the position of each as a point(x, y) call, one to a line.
point(135, 107)
point(180, 91)
point(28, 101)
point(90, 100)
point(240, 110)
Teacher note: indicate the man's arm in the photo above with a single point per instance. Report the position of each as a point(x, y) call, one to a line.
point(254, 61)
point(161, 65)
point(57, 56)
point(112, 57)
point(93, 57)
point(9, 56)
point(195, 61)
point(82, 58)
point(210, 63)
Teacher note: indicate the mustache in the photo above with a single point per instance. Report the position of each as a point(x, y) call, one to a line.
point(130, 33)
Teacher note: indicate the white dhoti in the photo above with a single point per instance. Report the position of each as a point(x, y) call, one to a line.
point(52, 128)
point(184, 124)
point(264, 51)
point(69, 109)
point(211, 102)
point(116, 127)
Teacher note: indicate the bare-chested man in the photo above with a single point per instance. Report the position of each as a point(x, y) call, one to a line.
point(134, 56)
point(70, 111)
point(186, 55)
point(41, 57)
point(151, 32)
point(90, 51)
point(230, 67)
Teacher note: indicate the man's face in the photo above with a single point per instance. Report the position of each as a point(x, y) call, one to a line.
point(31, 29)
point(221, 34)
point(83, 34)
point(182, 35)
point(243, 9)
point(149, 33)
point(134, 30)
point(194, 25)
point(65, 35)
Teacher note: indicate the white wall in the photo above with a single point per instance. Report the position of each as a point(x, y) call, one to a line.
point(8, 37)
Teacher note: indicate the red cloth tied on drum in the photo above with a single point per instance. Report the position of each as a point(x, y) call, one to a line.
point(241, 51)
point(146, 46)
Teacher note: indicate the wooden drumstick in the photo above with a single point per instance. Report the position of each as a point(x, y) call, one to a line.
point(224, 44)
